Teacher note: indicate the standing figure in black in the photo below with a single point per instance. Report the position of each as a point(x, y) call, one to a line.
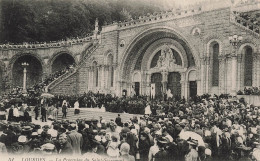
point(36, 110)
point(11, 114)
point(64, 110)
point(43, 112)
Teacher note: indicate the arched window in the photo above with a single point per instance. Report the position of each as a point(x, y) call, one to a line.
point(215, 64)
point(111, 70)
point(95, 74)
point(248, 66)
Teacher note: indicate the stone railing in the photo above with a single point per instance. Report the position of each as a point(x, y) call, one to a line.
point(157, 16)
point(170, 14)
point(60, 78)
point(90, 50)
point(246, 24)
point(55, 82)
point(246, 2)
point(53, 44)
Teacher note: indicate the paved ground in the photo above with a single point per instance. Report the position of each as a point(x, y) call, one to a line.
point(88, 113)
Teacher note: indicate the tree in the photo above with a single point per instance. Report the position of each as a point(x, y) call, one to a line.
point(53, 20)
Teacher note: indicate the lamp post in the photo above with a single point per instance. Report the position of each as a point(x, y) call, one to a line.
point(235, 41)
point(24, 64)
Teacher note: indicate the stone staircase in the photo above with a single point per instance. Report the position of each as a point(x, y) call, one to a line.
point(74, 71)
point(245, 24)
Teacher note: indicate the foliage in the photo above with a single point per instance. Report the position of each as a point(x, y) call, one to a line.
point(52, 20)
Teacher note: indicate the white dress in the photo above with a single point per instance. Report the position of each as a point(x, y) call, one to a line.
point(76, 105)
point(16, 112)
point(147, 110)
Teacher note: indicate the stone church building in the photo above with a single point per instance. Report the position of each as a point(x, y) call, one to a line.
point(211, 48)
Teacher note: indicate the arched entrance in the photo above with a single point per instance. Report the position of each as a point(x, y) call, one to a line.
point(61, 62)
point(34, 71)
point(161, 51)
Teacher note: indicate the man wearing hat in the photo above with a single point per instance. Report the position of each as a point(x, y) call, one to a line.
point(124, 151)
point(162, 154)
point(75, 139)
point(245, 153)
point(48, 149)
point(256, 152)
point(65, 147)
point(36, 110)
point(22, 146)
point(193, 154)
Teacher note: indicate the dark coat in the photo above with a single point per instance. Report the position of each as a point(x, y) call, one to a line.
point(66, 149)
point(76, 141)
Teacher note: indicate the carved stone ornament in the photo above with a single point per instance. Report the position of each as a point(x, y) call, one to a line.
point(166, 59)
point(122, 43)
point(196, 31)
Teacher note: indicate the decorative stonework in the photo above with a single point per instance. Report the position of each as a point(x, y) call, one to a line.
point(196, 31)
point(166, 59)
point(122, 43)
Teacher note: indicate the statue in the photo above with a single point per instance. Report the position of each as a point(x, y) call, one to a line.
point(166, 59)
point(169, 94)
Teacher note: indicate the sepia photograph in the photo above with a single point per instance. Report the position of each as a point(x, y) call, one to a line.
point(129, 80)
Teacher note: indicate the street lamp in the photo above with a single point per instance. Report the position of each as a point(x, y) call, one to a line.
point(235, 41)
point(24, 64)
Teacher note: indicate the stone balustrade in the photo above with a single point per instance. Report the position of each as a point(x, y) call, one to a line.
point(54, 44)
point(155, 17)
point(73, 70)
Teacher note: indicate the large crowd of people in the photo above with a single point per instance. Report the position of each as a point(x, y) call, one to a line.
point(63, 42)
point(249, 19)
point(204, 128)
point(250, 91)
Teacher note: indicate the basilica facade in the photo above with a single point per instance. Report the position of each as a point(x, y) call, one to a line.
point(204, 49)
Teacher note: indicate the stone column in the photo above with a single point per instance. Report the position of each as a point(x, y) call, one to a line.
point(239, 71)
point(258, 70)
point(91, 78)
point(107, 68)
point(207, 73)
point(222, 69)
point(198, 80)
point(87, 79)
point(255, 62)
point(183, 85)
point(116, 72)
point(202, 75)
point(148, 84)
point(24, 79)
point(99, 77)
point(103, 80)
point(233, 74)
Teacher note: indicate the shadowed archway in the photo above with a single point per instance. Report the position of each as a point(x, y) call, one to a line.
point(62, 61)
point(34, 71)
